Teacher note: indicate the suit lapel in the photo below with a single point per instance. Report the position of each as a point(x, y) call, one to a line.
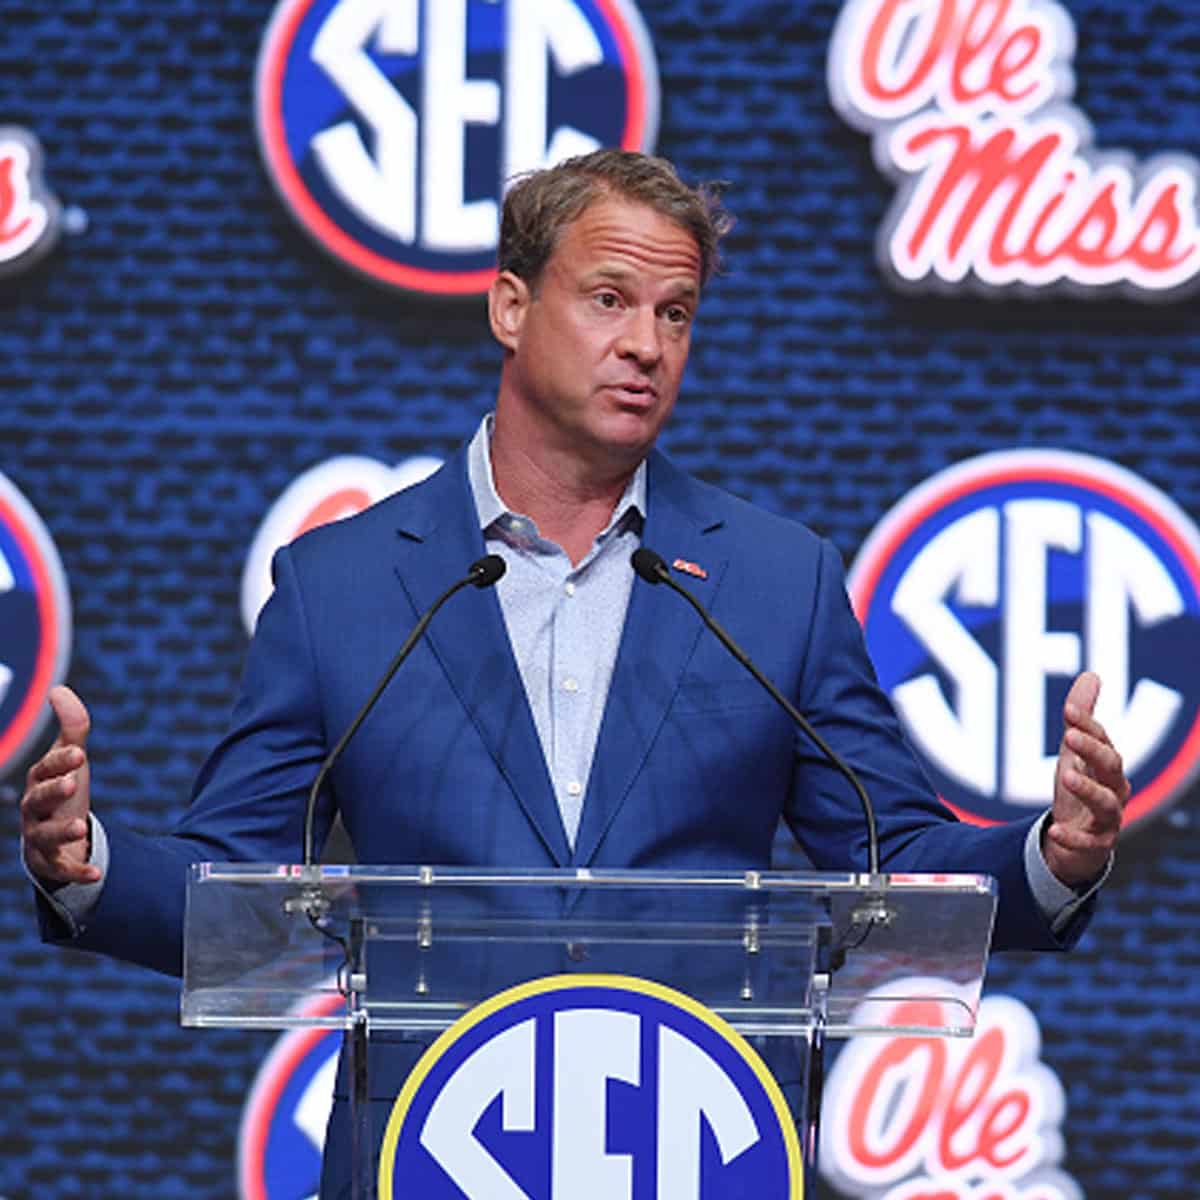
point(439, 538)
point(658, 640)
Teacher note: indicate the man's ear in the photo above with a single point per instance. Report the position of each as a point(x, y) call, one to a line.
point(509, 298)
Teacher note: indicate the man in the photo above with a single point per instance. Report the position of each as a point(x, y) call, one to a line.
point(571, 716)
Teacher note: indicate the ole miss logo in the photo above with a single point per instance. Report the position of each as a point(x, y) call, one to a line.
point(35, 624)
point(338, 487)
point(998, 182)
point(30, 214)
point(592, 1087)
point(390, 127)
point(933, 1118)
point(987, 589)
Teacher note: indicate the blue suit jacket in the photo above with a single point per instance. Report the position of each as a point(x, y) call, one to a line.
point(694, 765)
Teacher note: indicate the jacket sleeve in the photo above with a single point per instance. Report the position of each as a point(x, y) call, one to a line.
point(247, 803)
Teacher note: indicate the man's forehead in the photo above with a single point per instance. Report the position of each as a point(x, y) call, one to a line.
point(621, 236)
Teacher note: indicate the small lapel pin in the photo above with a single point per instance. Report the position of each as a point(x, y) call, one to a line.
point(690, 568)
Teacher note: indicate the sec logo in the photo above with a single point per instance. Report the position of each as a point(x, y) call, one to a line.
point(596, 1087)
point(390, 127)
point(988, 588)
point(282, 1131)
point(35, 624)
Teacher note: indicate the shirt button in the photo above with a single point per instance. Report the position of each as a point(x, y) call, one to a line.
point(574, 787)
point(570, 684)
point(569, 589)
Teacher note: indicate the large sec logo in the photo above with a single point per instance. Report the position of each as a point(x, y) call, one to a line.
point(390, 127)
point(35, 624)
point(282, 1131)
point(596, 1087)
point(988, 588)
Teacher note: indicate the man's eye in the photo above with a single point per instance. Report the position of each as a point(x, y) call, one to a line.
point(607, 299)
point(678, 315)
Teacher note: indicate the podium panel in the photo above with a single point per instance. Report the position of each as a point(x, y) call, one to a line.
point(544, 1033)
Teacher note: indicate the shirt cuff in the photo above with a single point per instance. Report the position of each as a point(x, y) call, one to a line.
point(1058, 902)
point(73, 902)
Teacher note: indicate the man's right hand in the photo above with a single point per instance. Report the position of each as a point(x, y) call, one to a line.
point(55, 807)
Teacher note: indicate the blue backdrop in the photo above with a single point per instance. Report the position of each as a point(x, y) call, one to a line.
point(167, 373)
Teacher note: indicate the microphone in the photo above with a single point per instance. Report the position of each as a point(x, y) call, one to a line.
point(483, 573)
point(651, 567)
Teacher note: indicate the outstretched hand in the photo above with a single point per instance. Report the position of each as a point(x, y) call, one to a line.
point(1090, 791)
point(56, 803)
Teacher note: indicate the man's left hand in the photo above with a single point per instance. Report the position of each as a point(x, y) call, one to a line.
point(1090, 791)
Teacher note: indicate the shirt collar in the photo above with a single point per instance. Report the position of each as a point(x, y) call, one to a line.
point(491, 508)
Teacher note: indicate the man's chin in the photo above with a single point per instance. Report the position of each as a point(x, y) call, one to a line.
point(627, 447)
point(633, 427)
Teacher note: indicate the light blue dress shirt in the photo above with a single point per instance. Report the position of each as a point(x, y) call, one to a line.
point(564, 622)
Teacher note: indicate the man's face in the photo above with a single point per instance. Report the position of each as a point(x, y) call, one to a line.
point(599, 347)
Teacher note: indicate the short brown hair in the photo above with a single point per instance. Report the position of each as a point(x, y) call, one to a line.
point(541, 204)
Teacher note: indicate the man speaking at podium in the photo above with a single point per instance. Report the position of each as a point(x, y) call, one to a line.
point(571, 715)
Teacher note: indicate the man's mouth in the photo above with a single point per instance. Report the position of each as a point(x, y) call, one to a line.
point(637, 391)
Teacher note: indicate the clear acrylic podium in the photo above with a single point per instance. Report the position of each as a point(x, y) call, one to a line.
point(788, 959)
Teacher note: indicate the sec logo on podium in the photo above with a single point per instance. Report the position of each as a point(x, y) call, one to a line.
point(989, 587)
point(591, 1087)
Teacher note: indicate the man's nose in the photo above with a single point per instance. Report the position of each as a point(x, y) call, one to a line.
point(640, 338)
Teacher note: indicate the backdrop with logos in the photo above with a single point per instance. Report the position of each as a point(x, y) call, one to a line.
point(236, 301)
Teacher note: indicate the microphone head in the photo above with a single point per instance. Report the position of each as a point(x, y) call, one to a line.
point(649, 566)
point(486, 570)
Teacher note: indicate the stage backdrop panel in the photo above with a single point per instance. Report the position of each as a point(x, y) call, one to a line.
point(184, 355)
